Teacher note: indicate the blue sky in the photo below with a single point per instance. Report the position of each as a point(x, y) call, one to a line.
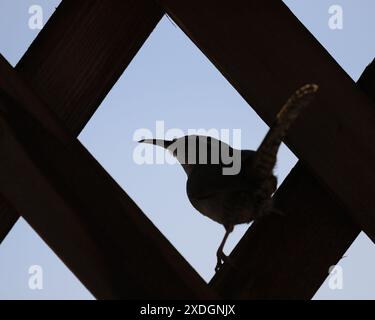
point(171, 80)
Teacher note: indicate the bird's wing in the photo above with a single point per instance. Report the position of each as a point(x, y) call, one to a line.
point(265, 159)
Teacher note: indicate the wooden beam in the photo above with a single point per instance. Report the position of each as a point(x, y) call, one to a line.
point(78, 56)
point(8, 217)
point(280, 258)
point(266, 53)
point(367, 81)
point(83, 50)
point(79, 210)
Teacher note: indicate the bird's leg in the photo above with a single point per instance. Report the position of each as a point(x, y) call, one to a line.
point(221, 257)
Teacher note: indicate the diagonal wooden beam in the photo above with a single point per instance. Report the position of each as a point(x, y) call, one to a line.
point(262, 49)
point(83, 50)
point(78, 56)
point(79, 210)
point(367, 81)
point(8, 217)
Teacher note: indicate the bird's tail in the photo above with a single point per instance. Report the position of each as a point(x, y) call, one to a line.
point(265, 158)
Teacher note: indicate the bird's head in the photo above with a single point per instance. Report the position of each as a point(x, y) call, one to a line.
point(195, 150)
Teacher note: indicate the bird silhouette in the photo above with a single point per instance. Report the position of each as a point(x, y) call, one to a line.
point(214, 185)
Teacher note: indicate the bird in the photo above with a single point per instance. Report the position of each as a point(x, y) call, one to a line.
point(232, 199)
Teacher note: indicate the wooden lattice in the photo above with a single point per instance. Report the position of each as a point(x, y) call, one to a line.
point(265, 53)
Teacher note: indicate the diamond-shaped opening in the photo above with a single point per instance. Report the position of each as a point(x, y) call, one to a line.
point(23, 248)
point(171, 80)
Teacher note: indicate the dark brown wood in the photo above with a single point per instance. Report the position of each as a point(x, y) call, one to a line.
point(78, 209)
point(82, 51)
point(367, 80)
point(266, 53)
point(79, 55)
point(8, 217)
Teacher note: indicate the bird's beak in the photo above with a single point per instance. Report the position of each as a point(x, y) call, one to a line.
point(157, 142)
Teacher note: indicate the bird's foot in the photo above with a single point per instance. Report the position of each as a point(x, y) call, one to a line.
point(221, 259)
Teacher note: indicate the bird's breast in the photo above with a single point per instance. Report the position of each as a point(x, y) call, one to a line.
point(224, 199)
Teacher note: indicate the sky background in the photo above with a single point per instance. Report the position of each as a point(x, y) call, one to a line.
point(171, 80)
